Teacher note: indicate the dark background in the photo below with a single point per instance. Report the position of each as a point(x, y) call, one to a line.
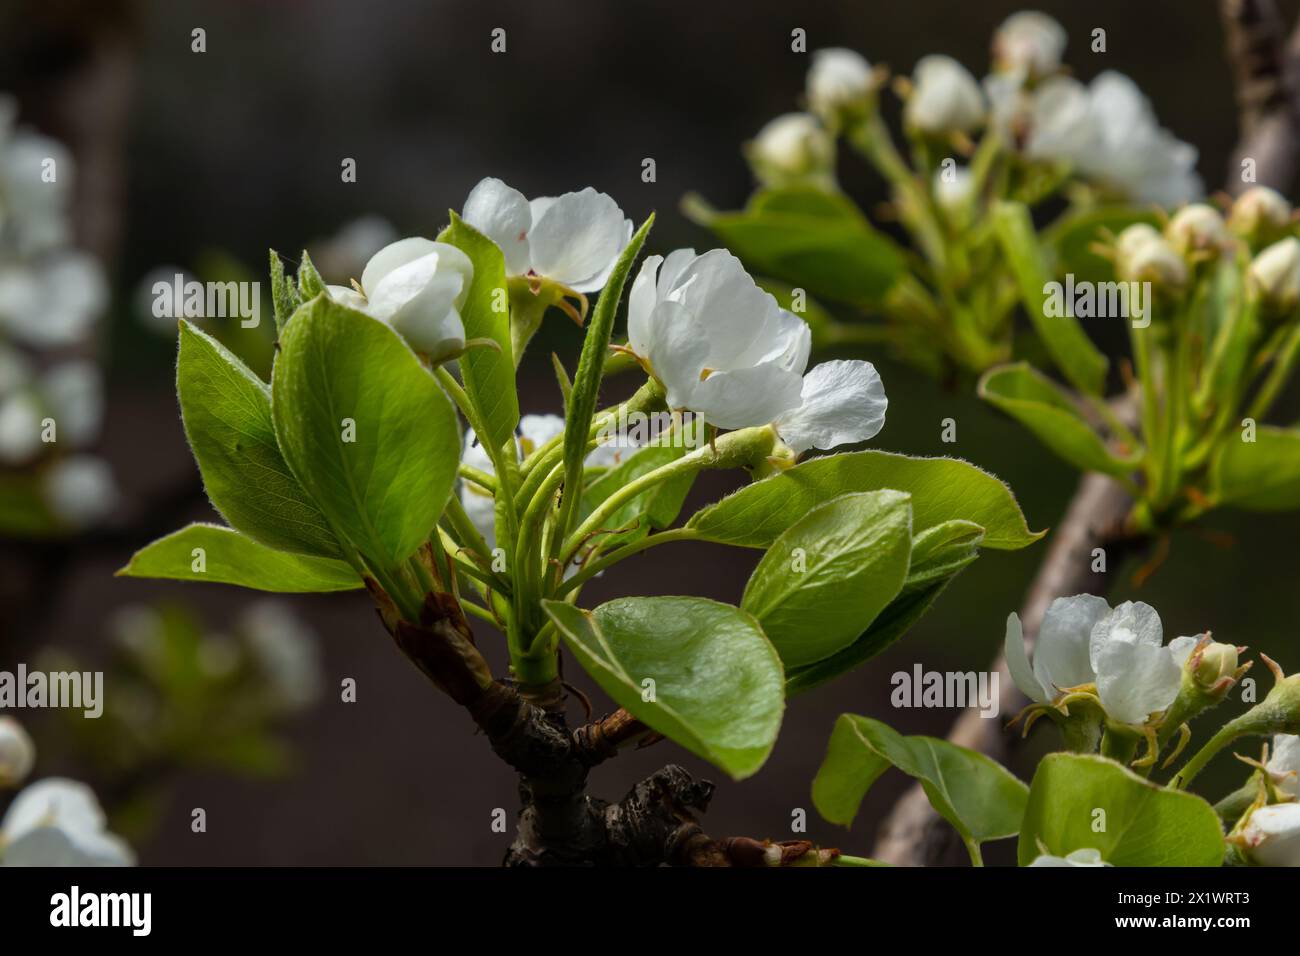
point(238, 149)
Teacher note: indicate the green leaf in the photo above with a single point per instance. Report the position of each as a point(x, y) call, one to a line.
point(226, 410)
point(1263, 475)
point(656, 507)
point(717, 680)
point(229, 557)
point(489, 375)
point(1045, 409)
point(385, 488)
point(829, 574)
point(978, 796)
point(1071, 239)
point(814, 240)
point(942, 551)
point(284, 297)
point(310, 284)
point(891, 624)
point(1070, 348)
point(1144, 824)
point(941, 488)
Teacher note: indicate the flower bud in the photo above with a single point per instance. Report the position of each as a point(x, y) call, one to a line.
point(840, 82)
point(1143, 255)
point(952, 191)
point(1198, 228)
point(1213, 663)
point(1260, 215)
point(17, 754)
point(1274, 275)
point(791, 147)
point(945, 98)
point(1030, 44)
point(1271, 835)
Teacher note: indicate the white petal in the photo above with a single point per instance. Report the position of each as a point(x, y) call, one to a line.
point(348, 297)
point(54, 801)
point(641, 303)
point(17, 753)
point(394, 256)
point(1285, 760)
point(420, 300)
point(1130, 622)
point(843, 402)
point(1018, 662)
point(1181, 648)
point(1084, 857)
point(1272, 835)
point(1135, 679)
point(1061, 651)
point(537, 430)
point(50, 846)
point(741, 322)
point(503, 215)
point(744, 397)
point(578, 238)
point(671, 273)
point(677, 352)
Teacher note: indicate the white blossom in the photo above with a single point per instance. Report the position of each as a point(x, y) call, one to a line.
point(1198, 227)
point(1061, 657)
point(838, 80)
point(791, 147)
point(1271, 835)
point(52, 301)
point(58, 822)
point(1029, 44)
point(1085, 857)
point(1275, 273)
point(80, 489)
point(573, 239)
point(1284, 763)
point(1259, 214)
point(1136, 674)
point(945, 97)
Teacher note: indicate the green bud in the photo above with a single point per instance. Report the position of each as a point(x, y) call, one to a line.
point(1213, 663)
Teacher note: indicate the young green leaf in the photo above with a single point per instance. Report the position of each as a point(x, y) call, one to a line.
point(1078, 359)
point(284, 297)
point(488, 373)
point(978, 796)
point(655, 508)
point(941, 488)
point(365, 429)
point(942, 551)
point(213, 554)
point(829, 574)
point(697, 671)
point(811, 239)
point(226, 410)
point(1084, 801)
point(310, 284)
point(1040, 405)
point(1263, 475)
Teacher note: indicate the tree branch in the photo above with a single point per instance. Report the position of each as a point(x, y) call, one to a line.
point(1266, 71)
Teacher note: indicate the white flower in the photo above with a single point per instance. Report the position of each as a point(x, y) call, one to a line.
point(1198, 227)
point(52, 302)
point(1060, 121)
point(33, 209)
point(1284, 763)
point(1028, 44)
point(952, 190)
point(73, 393)
point(1275, 273)
point(1061, 656)
point(1148, 163)
point(723, 348)
point(838, 80)
point(574, 239)
point(58, 822)
point(17, 753)
point(20, 428)
point(791, 147)
point(1086, 857)
point(1271, 836)
point(1136, 675)
point(285, 651)
point(1259, 214)
point(1143, 255)
point(945, 97)
point(417, 286)
point(80, 489)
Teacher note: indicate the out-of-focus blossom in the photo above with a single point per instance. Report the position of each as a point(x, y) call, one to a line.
point(58, 822)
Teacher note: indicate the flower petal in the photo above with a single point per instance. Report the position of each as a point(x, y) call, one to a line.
point(1061, 651)
point(843, 402)
point(746, 396)
point(677, 352)
point(503, 215)
point(394, 256)
point(1135, 679)
point(1130, 622)
point(1018, 662)
point(577, 239)
point(641, 303)
point(1285, 760)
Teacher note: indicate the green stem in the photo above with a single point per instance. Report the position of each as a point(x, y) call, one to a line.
point(973, 848)
point(1226, 735)
point(845, 860)
point(1282, 368)
point(594, 568)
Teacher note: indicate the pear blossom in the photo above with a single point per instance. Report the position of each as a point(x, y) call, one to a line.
point(1284, 763)
point(73, 394)
point(573, 240)
point(1061, 657)
point(1136, 674)
point(792, 147)
point(51, 301)
point(839, 80)
point(285, 650)
point(724, 348)
point(1274, 274)
point(1260, 215)
point(952, 190)
point(17, 754)
point(417, 286)
point(33, 207)
point(80, 489)
point(1142, 254)
point(1085, 857)
point(1271, 835)
point(1028, 44)
point(945, 97)
point(58, 822)
point(1198, 227)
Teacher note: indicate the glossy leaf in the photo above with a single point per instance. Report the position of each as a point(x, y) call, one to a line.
point(1084, 801)
point(1078, 359)
point(213, 554)
point(655, 508)
point(716, 681)
point(365, 428)
point(941, 488)
point(1263, 475)
point(942, 551)
point(978, 796)
point(488, 373)
point(226, 410)
point(1040, 405)
point(829, 574)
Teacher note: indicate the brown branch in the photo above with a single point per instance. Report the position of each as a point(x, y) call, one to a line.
point(1266, 73)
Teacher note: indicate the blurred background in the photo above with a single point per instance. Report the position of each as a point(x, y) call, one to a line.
point(200, 162)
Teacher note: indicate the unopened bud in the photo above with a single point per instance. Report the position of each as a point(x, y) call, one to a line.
point(1028, 43)
point(790, 148)
point(1213, 663)
point(1271, 835)
point(840, 83)
point(17, 754)
point(1198, 228)
point(1143, 255)
point(945, 98)
point(1274, 275)
point(1260, 215)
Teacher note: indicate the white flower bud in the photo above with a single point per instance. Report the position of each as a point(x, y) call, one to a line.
point(945, 97)
point(1028, 43)
point(1260, 215)
point(1198, 228)
point(1271, 836)
point(17, 754)
point(1275, 274)
point(1284, 763)
point(952, 191)
point(839, 80)
point(791, 146)
point(20, 428)
point(1143, 255)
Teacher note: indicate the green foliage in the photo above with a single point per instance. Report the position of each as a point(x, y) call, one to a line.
point(1263, 475)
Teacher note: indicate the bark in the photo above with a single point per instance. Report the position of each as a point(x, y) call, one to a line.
point(1266, 72)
